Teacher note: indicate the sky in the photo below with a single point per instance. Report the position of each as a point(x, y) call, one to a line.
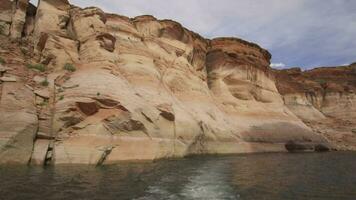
point(302, 33)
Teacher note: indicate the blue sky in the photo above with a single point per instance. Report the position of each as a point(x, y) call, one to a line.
point(304, 33)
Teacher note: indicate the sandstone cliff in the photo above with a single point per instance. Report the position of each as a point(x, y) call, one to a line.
point(82, 86)
point(325, 99)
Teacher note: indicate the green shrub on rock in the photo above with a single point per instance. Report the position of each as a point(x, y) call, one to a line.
point(45, 83)
point(321, 81)
point(2, 29)
point(39, 67)
point(353, 68)
point(2, 61)
point(69, 67)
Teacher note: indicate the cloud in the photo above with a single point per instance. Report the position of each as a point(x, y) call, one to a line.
point(278, 65)
point(34, 2)
point(303, 33)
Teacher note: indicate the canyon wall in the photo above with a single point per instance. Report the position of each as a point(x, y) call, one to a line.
point(87, 87)
point(325, 99)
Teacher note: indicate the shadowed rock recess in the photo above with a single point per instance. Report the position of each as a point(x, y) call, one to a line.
point(80, 86)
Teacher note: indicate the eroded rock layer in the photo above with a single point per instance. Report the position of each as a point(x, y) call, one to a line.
point(104, 88)
point(325, 99)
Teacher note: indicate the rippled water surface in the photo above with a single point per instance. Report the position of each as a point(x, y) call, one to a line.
point(259, 176)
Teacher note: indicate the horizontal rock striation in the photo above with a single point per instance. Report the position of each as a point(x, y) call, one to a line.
point(106, 88)
point(325, 99)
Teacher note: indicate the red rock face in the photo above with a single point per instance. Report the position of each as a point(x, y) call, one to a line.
point(325, 79)
point(325, 98)
point(241, 51)
point(319, 83)
point(243, 67)
point(5, 5)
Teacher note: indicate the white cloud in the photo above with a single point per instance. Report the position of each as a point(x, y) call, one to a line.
point(278, 65)
point(34, 2)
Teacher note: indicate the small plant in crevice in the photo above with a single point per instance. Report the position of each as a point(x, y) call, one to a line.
point(321, 81)
point(69, 67)
point(2, 61)
point(98, 94)
point(61, 97)
point(115, 28)
point(60, 90)
point(44, 103)
point(39, 67)
point(45, 83)
point(353, 69)
point(2, 29)
point(24, 51)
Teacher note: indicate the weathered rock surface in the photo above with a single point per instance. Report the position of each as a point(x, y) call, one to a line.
point(18, 124)
point(40, 150)
point(18, 18)
point(6, 11)
point(112, 88)
point(324, 98)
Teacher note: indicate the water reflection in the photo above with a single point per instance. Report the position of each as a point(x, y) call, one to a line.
point(260, 176)
point(296, 176)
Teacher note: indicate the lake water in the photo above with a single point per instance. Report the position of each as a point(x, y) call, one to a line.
point(249, 177)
